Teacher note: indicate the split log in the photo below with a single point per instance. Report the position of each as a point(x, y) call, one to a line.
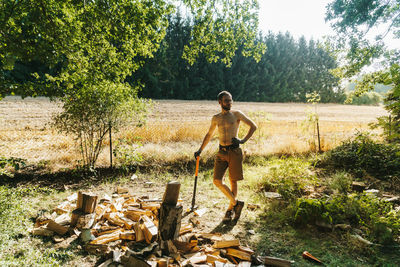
point(150, 230)
point(86, 202)
point(277, 262)
point(238, 254)
point(104, 239)
point(227, 243)
point(212, 258)
point(64, 207)
point(63, 219)
point(150, 206)
point(139, 232)
point(113, 218)
point(55, 227)
point(41, 231)
point(122, 190)
point(128, 235)
point(171, 193)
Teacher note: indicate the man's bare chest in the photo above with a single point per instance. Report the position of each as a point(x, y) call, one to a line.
point(228, 121)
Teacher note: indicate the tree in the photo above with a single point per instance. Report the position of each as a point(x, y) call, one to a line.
point(353, 20)
point(89, 49)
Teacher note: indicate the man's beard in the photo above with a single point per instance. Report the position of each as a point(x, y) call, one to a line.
point(227, 108)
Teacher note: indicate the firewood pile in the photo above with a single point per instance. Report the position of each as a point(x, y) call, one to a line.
point(140, 231)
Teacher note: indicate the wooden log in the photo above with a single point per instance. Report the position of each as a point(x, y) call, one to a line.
point(170, 221)
point(82, 220)
point(86, 202)
point(185, 228)
point(63, 219)
point(139, 232)
point(238, 254)
point(64, 207)
point(122, 190)
point(134, 210)
point(128, 235)
point(42, 231)
point(150, 206)
point(212, 258)
point(104, 239)
point(171, 193)
point(227, 243)
point(150, 230)
point(277, 262)
point(58, 228)
point(113, 218)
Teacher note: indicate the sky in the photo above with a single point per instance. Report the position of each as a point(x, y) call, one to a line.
point(300, 17)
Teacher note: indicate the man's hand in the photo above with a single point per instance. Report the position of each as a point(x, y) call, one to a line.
point(236, 141)
point(197, 154)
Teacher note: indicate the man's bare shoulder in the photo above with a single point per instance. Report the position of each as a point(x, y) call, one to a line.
point(237, 113)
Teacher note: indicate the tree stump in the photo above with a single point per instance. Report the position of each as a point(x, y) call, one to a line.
point(82, 220)
point(169, 225)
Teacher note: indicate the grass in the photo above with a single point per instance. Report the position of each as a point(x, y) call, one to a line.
point(275, 234)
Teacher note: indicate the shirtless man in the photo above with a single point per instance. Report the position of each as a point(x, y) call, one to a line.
point(230, 154)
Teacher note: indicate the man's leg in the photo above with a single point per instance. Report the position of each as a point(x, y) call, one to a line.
point(227, 192)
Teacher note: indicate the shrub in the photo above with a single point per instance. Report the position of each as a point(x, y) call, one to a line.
point(378, 216)
point(289, 177)
point(369, 98)
point(10, 163)
point(363, 155)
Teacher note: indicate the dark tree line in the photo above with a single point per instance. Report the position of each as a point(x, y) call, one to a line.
point(286, 72)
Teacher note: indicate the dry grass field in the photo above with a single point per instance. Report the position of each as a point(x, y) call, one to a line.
point(175, 129)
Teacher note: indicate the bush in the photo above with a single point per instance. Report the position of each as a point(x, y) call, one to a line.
point(369, 98)
point(362, 156)
point(378, 216)
point(10, 163)
point(288, 177)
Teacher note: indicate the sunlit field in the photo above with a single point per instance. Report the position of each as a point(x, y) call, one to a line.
point(175, 129)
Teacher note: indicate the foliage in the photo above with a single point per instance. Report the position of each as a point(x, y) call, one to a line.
point(363, 155)
point(126, 154)
point(311, 123)
point(353, 21)
point(108, 40)
point(368, 98)
point(287, 71)
point(341, 182)
point(90, 113)
point(289, 177)
point(378, 216)
point(14, 163)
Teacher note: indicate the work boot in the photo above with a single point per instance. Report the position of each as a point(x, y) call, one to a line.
point(238, 209)
point(228, 216)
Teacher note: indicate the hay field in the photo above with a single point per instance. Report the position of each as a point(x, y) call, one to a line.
point(176, 128)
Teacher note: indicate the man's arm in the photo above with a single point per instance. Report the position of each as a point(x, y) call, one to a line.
point(208, 136)
point(249, 122)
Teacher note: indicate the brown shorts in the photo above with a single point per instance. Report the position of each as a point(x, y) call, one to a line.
point(232, 159)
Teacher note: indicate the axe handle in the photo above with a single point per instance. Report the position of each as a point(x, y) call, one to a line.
point(195, 183)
